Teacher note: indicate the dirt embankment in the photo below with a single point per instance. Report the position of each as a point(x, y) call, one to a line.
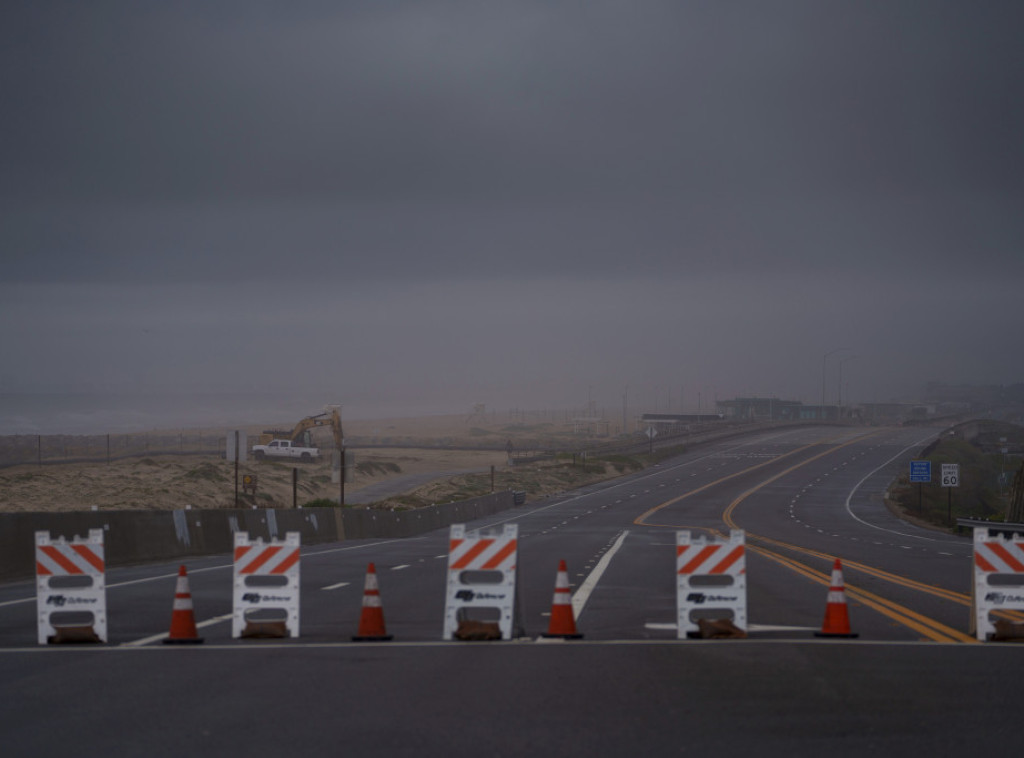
point(167, 482)
point(208, 481)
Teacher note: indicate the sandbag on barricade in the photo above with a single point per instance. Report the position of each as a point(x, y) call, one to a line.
point(470, 630)
point(719, 629)
point(1007, 631)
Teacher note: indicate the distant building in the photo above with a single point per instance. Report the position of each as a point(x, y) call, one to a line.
point(675, 422)
point(884, 413)
point(761, 409)
point(817, 413)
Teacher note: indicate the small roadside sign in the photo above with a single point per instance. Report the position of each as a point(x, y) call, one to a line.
point(950, 474)
point(920, 471)
point(651, 434)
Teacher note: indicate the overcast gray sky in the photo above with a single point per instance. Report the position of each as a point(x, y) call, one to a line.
point(431, 204)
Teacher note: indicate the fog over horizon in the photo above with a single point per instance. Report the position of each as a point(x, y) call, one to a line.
point(412, 207)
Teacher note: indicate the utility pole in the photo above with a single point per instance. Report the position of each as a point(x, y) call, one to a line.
point(841, 362)
point(236, 468)
point(824, 359)
point(1015, 513)
point(339, 443)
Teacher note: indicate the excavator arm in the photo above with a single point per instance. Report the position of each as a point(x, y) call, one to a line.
point(300, 434)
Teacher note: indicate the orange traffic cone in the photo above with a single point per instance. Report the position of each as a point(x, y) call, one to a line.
point(183, 620)
point(837, 621)
point(371, 622)
point(563, 623)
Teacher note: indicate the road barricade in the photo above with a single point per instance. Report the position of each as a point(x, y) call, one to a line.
point(998, 582)
point(481, 581)
point(711, 581)
point(71, 588)
point(266, 587)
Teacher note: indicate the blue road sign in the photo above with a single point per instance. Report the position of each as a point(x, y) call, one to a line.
point(920, 471)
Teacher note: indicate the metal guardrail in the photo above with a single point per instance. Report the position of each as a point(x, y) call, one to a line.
point(999, 527)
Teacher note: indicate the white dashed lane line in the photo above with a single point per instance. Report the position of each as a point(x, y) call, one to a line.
point(158, 637)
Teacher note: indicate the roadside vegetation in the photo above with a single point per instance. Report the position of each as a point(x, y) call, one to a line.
point(983, 491)
point(537, 479)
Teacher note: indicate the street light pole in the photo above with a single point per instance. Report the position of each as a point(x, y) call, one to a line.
point(824, 358)
point(841, 362)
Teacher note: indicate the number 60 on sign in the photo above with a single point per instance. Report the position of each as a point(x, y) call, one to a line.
point(950, 474)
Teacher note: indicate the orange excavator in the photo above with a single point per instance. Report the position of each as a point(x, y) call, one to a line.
point(301, 435)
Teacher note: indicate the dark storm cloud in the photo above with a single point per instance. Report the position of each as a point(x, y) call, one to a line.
point(199, 141)
point(523, 203)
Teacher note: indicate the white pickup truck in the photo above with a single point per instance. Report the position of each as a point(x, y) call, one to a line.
point(285, 449)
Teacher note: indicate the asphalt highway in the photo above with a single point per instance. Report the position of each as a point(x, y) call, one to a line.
point(914, 679)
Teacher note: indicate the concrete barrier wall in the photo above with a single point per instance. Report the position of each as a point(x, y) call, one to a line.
point(144, 536)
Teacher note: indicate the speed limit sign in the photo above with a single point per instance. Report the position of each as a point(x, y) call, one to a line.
point(950, 474)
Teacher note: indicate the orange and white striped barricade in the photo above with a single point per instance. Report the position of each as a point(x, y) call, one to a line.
point(998, 577)
point(71, 588)
point(266, 582)
point(711, 580)
point(481, 579)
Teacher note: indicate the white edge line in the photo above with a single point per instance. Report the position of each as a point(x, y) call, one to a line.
point(872, 473)
point(580, 597)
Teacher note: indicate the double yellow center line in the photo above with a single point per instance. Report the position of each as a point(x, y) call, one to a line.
point(928, 627)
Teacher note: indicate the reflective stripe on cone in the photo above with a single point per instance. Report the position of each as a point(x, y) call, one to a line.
point(183, 620)
point(563, 622)
point(837, 619)
point(371, 620)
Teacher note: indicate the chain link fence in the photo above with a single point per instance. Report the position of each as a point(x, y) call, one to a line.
point(42, 449)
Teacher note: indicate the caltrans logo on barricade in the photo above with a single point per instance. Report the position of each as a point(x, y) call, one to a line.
point(481, 578)
point(998, 577)
point(266, 586)
point(711, 580)
point(71, 589)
